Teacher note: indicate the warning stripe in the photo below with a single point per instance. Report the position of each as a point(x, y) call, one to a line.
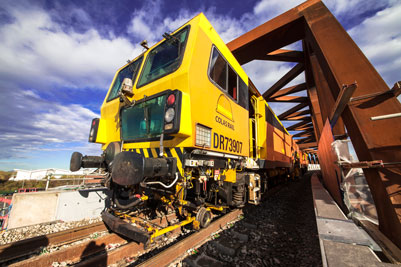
point(150, 153)
point(145, 153)
point(154, 153)
point(179, 151)
point(179, 160)
point(168, 152)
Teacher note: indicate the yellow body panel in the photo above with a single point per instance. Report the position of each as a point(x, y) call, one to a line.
point(231, 176)
point(261, 127)
point(250, 137)
point(202, 101)
point(210, 106)
point(281, 141)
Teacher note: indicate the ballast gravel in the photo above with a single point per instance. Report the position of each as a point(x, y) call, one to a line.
point(16, 234)
point(281, 231)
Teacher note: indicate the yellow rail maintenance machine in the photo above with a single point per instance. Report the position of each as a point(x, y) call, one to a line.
point(183, 130)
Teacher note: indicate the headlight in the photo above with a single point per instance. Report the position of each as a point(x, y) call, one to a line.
point(169, 116)
point(203, 135)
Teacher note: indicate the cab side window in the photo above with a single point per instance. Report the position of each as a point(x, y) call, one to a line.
point(232, 84)
point(223, 75)
point(218, 70)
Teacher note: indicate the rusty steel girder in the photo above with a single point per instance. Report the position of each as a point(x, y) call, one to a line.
point(330, 60)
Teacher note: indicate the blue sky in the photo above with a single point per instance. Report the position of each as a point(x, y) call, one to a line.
point(57, 59)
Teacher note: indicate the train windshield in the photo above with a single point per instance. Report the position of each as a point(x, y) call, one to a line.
point(143, 120)
point(129, 71)
point(165, 58)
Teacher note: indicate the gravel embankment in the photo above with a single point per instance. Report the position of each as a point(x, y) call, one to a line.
point(280, 232)
point(17, 234)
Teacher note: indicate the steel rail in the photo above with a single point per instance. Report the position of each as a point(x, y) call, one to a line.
point(172, 253)
point(73, 253)
point(28, 246)
point(129, 250)
point(77, 252)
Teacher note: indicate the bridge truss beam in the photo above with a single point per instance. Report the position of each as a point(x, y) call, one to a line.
point(330, 60)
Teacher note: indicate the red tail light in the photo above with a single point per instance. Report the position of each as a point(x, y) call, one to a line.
point(171, 99)
point(93, 131)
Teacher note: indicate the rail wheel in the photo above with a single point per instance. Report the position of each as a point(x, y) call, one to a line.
point(204, 217)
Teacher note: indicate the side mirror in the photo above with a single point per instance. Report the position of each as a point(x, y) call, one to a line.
point(126, 87)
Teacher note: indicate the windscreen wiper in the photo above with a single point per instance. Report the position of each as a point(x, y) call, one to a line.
point(146, 118)
point(171, 39)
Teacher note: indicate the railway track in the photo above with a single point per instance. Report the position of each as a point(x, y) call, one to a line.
point(179, 249)
point(92, 245)
point(33, 245)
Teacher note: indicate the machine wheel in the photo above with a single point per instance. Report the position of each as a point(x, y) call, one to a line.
point(204, 217)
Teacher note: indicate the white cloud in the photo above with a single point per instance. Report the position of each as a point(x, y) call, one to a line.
point(64, 123)
point(37, 51)
point(346, 10)
point(379, 37)
point(147, 24)
point(268, 9)
point(355, 7)
point(35, 124)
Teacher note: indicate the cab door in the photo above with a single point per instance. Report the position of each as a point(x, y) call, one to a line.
point(255, 127)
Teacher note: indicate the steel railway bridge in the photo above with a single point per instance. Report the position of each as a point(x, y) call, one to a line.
point(345, 97)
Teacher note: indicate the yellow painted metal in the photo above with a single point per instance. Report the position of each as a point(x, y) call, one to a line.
point(152, 228)
point(179, 164)
point(231, 176)
point(281, 140)
point(200, 98)
point(260, 125)
point(211, 107)
point(219, 208)
point(180, 197)
point(102, 133)
point(159, 232)
point(182, 202)
point(224, 107)
point(261, 130)
point(251, 122)
point(196, 225)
